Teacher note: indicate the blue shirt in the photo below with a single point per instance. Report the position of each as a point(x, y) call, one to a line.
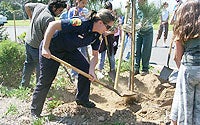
point(72, 37)
point(80, 10)
point(64, 15)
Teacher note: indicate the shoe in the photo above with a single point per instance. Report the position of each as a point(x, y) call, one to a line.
point(164, 45)
point(88, 104)
point(35, 117)
point(100, 75)
point(144, 73)
point(136, 72)
point(74, 79)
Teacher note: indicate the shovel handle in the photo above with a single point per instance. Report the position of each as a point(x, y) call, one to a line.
point(169, 54)
point(108, 51)
point(85, 74)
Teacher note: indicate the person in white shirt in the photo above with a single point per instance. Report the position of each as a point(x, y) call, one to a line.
point(164, 25)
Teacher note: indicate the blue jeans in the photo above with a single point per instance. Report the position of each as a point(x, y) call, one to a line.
point(143, 48)
point(186, 102)
point(102, 60)
point(31, 63)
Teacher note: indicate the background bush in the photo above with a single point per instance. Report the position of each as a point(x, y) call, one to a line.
point(11, 62)
point(3, 33)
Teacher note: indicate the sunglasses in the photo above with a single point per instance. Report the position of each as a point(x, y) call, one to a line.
point(107, 26)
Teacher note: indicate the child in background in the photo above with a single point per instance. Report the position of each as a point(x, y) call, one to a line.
point(163, 24)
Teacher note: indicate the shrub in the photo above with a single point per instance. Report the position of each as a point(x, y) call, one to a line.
point(11, 62)
point(3, 34)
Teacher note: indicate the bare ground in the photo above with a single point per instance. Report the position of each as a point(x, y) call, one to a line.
point(150, 105)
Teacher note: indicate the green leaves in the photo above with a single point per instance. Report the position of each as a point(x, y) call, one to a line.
point(11, 62)
point(150, 12)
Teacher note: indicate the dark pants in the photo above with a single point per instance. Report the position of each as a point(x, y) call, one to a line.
point(30, 64)
point(48, 71)
point(143, 49)
point(163, 26)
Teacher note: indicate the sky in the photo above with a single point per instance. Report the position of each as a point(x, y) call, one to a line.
point(116, 3)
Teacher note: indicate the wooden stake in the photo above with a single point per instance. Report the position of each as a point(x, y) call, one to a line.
point(133, 46)
point(122, 45)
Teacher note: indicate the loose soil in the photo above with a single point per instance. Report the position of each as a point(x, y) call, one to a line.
point(150, 105)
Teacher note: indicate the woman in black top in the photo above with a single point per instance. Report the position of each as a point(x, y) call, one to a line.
point(62, 38)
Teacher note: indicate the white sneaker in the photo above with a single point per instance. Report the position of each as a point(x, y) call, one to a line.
point(75, 79)
point(100, 75)
point(165, 45)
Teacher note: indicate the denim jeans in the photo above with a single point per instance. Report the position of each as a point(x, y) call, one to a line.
point(186, 102)
point(127, 48)
point(102, 60)
point(31, 63)
point(143, 48)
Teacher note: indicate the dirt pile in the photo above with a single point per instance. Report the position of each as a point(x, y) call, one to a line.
point(149, 105)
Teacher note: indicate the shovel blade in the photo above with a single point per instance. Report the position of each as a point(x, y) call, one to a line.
point(112, 74)
point(165, 73)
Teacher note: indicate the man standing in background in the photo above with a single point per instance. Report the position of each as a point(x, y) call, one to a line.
point(144, 39)
point(40, 15)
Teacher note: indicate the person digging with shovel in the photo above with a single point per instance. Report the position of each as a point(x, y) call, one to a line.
point(62, 38)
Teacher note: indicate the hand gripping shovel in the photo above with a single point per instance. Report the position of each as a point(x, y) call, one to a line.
point(112, 72)
point(88, 76)
point(166, 71)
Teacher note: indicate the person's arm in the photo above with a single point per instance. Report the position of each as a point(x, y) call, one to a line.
point(51, 29)
point(93, 63)
point(28, 10)
point(178, 53)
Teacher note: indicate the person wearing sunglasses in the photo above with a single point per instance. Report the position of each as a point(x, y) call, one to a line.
point(62, 39)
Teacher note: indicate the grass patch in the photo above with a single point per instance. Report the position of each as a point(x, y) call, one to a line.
point(40, 121)
point(53, 103)
point(21, 93)
point(18, 23)
point(12, 110)
point(27, 23)
point(21, 22)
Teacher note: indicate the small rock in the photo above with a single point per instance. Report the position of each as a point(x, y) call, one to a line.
point(25, 120)
point(82, 116)
point(101, 119)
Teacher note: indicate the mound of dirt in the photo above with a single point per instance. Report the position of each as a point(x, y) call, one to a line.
point(150, 104)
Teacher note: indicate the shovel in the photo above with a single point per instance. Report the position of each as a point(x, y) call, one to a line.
point(111, 73)
point(166, 71)
point(88, 76)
